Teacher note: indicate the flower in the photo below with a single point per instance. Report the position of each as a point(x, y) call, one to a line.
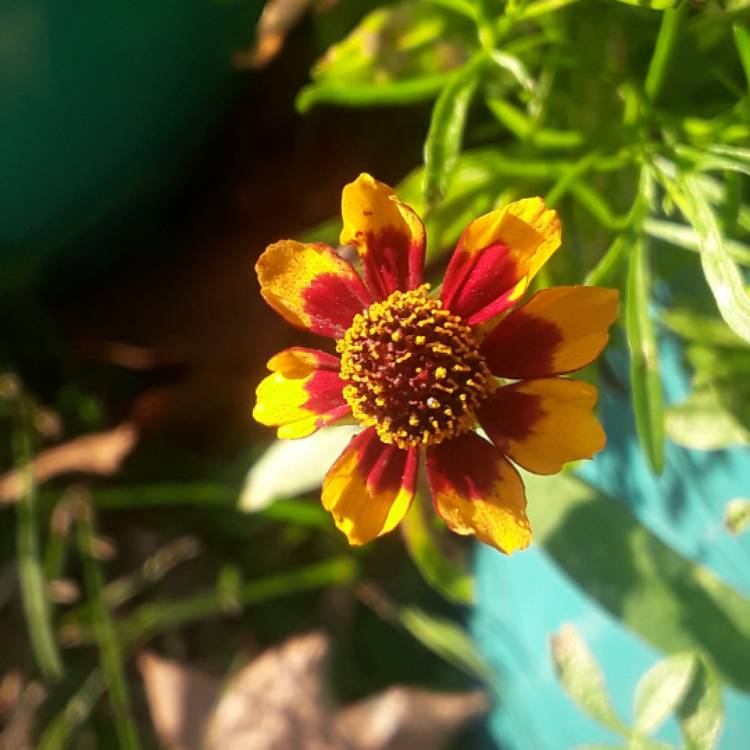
point(421, 372)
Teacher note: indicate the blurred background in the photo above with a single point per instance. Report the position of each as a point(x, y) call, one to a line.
point(168, 577)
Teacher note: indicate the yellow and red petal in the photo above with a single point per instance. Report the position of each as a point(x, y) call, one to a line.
point(388, 235)
point(370, 487)
point(557, 331)
point(497, 257)
point(543, 424)
point(302, 393)
point(477, 491)
point(311, 286)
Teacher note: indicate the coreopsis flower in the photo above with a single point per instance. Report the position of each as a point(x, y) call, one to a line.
point(421, 372)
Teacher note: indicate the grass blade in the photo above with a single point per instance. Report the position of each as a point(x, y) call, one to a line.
point(666, 42)
point(443, 143)
point(33, 594)
point(110, 654)
point(645, 379)
point(742, 42)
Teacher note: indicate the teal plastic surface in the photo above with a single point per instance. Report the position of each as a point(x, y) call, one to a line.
point(526, 598)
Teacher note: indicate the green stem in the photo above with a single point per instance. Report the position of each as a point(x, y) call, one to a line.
point(33, 595)
point(666, 41)
point(110, 655)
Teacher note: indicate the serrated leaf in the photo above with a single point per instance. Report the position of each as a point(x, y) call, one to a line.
point(670, 601)
point(701, 715)
point(645, 378)
point(443, 143)
point(582, 679)
point(661, 690)
point(737, 515)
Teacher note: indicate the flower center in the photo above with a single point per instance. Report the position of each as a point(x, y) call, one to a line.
point(412, 370)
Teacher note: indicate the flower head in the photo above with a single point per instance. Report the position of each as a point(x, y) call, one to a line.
point(422, 372)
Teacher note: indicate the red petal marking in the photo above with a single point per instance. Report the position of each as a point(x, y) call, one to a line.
point(559, 330)
point(311, 286)
point(331, 302)
point(465, 464)
point(543, 424)
point(477, 491)
point(370, 487)
point(388, 235)
point(480, 285)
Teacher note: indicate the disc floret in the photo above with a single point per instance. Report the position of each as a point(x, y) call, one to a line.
point(412, 370)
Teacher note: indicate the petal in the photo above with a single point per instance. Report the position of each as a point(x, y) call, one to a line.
point(311, 286)
point(558, 330)
point(497, 257)
point(370, 487)
point(302, 393)
point(477, 491)
point(542, 424)
point(388, 235)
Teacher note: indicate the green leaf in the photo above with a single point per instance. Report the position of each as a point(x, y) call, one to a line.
point(661, 690)
point(582, 679)
point(683, 236)
point(673, 603)
point(701, 714)
point(737, 515)
point(645, 376)
point(724, 278)
point(448, 575)
point(700, 328)
point(442, 636)
point(702, 422)
point(666, 43)
point(742, 42)
point(443, 143)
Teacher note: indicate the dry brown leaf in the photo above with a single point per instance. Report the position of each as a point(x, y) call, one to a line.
point(280, 701)
point(98, 453)
point(180, 699)
point(404, 718)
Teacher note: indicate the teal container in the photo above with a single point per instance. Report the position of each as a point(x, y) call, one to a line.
point(101, 107)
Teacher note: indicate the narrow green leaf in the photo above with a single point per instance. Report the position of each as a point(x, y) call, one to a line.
point(661, 690)
point(110, 653)
point(443, 143)
point(701, 328)
point(742, 41)
point(701, 715)
point(737, 515)
point(604, 269)
point(702, 422)
point(449, 576)
point(442, 636)
point(645, 376)
point(673, 603)
point(582, 679)
point(666, 43)
point(343, 94)
point(724, 278)
point(30, 571)
point(683, 236)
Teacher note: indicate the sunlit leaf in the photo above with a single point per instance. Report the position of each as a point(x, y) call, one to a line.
point(701, 714)
point(645, 379)
point(673, 603)
point(661, 690)
point(737, 515)
point(702, 422)
point(582, 679)
point(742, 41)
point(443, 143)
point(723, 276)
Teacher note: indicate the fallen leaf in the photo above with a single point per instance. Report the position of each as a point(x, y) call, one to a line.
point(98, 453)
point(281, 701)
